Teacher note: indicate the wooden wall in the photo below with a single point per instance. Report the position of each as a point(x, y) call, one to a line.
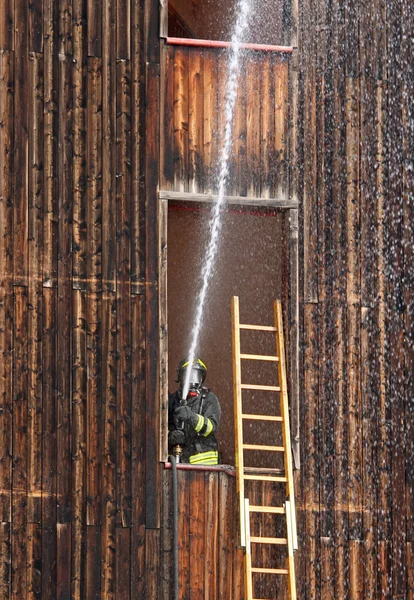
point(78, 266)
point(355, 161)
point(194, 91)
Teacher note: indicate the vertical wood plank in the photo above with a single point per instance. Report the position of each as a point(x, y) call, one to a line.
point(63, 560)
point(184, 484)
point(138, 446)
point(225, 504)
point(64, 297)
point(327, 569)
point(239, 184)
point(7, 25)
point(267, 128)
point(79, 162)
point(34, 561)
point(137, 160)
point(108, 148)
point(210, 119)
point(123, 198)
point(50, 209)
point(49, 445)
point(281, 122)
point(94, 275)
point(211, 534)
point(35, 300)
point(79, 384)
point(195, 121)
point(5, 560)
point(93, 563)
point(181, 119)
point(109, 419)
point(21, 140)
point(152, 548)
point(167, 132)
point(123, 29)
point(94, 16)
point(20, 445)
point(6, 277)
point(253, 129)
point(36, 26)
point(152, 332)
point(310, 208)
point(196, 539)
point(356, 581)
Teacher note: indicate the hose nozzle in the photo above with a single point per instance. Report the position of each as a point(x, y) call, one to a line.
point(177, 452)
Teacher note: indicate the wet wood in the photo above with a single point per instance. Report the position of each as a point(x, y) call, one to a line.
point(63, 560)
point(181, 94)
point(50, 220)
point(196, 104)
point(123, 305)
point(109, 419)
point(137, 118)
point(7, 25)
point(79, 168)
point(123, 29)
point(36, 26)
point(94, 12)
point(94, 286)
point(93, 566)
point(19, 440)
point(49, 445)
point(35, 243)
point(64, 271)
point(20, 154)
point(152, 322)
point(6, 270)
point(79, 394)
point(5, 560)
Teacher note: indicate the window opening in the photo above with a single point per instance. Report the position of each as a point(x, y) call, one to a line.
point(252, 263)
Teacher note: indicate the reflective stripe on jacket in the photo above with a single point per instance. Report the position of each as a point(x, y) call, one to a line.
point(200, 441)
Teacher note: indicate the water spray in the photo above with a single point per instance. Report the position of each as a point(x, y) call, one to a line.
point(215, 221)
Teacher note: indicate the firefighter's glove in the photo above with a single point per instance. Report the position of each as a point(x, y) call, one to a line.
point(176, 437)
point(186, 415)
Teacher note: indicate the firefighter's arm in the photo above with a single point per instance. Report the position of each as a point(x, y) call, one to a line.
point(211, 418)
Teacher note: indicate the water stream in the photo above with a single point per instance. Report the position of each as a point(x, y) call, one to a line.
point(215, 220)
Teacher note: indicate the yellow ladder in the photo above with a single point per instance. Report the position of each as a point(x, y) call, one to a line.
point(242, 414)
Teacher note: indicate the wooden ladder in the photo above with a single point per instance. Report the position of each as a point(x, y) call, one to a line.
point(242, 414)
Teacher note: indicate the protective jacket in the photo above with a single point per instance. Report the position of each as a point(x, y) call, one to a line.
point(200, 445)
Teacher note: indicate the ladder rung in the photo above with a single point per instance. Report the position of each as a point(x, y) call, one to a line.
point(265, 478)
point(274, 571)
point(279, 510)
point(268, 388)
point(262, 417)
point(263, 470)
point(260, 357)
point(267, 448)
point(268, 540)
point(257, 327)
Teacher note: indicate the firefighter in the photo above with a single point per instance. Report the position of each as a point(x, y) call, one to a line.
point(193, 421)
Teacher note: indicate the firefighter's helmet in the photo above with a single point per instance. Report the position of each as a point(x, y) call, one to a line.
point(197, 375)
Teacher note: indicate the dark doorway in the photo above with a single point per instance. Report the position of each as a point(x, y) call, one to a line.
point(251, 263)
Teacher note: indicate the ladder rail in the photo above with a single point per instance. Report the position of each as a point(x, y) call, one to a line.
point(284, 405)
point(238, 417)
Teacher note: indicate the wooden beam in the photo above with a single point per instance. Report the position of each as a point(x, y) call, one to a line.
point(282, 203)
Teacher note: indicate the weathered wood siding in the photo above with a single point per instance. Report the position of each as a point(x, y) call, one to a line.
point(78, 266)
point(355, 157)
point(194, 88)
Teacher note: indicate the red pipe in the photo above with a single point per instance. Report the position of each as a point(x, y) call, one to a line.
point(216, 44)
point(219, 468)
